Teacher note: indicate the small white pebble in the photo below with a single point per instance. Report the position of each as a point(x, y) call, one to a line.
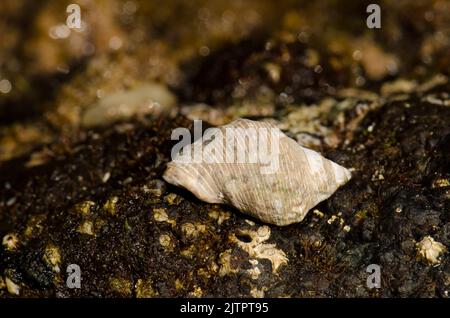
point(332, 219)
point(318, 213)
point(11, 201)
point(12, 287)
point(5, 86)
point(106, 177)
point(249, 222)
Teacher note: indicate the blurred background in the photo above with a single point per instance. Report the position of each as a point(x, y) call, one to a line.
point(219, 53)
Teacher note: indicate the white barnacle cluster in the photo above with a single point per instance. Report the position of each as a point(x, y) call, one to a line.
point(431, 250)
point(10, 241)
point(266, 175)
point(257, 248)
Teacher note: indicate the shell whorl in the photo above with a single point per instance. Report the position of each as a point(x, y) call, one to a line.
point(301, 180)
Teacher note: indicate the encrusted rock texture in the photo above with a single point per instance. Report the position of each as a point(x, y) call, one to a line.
point(95, 197)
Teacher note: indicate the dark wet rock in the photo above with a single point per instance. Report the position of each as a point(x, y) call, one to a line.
point(37, 273)
point(289, 72)
point(135, 236)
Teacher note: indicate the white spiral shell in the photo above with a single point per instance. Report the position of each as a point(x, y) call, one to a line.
point(301, 180)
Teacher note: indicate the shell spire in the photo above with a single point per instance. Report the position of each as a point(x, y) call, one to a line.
point(258, 169)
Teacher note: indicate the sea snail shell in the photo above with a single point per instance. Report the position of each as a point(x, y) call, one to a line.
point(282, 195)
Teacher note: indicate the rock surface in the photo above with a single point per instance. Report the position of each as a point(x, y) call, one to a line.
point(95, 197)
point(134, 235)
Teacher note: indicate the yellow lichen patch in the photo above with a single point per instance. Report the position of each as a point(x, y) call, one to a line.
point(59, 279)
point(214, 214)
point(430, 250)
point(34, 226)
point(256, 248)
point(191, 230)
point(188, 252)
point(52, 256)
point(110, 205)
point(213, 267)
point(85, 207)
point(312, 57)
point(2, 283)
point(172, 199)
point(197, 292)
point(223, 216)
point(160, 215)
point(10, 241)
point(178, 285)
point(254, 272)
point(361, 214)
point(166, 242)
point(204, 272)
point(273, 70)
point(12, 287)
point(225, 264)
point(20, 138)
point(257, 293)
point(220, 216)
point(39, 157)
point(87, 227)
point(121, 286)
point(98, 224)
point(144, 289)
point(201, 228)
point(440, 183)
